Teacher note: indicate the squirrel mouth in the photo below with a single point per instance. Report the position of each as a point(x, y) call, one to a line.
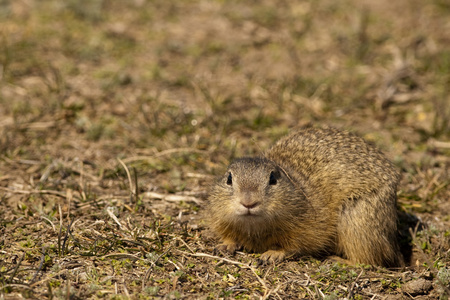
point(249, 212)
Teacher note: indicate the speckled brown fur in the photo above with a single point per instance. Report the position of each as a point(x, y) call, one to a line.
point(317, 191)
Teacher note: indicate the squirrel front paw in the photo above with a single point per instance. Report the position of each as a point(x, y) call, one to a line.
point(272, 256)
point(228, 246)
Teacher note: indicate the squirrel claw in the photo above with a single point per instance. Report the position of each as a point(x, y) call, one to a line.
point(261, 263)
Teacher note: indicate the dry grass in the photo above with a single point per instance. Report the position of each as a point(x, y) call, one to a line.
point(114, 118)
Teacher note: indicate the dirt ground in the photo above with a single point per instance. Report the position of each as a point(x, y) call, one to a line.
point(116, 116)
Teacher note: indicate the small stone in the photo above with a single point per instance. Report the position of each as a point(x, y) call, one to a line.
point(417, 287)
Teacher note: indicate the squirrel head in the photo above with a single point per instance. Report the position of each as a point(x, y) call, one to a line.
point(253, 189)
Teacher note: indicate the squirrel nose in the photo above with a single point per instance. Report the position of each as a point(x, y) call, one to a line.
point(250, 204)
point(249, 200)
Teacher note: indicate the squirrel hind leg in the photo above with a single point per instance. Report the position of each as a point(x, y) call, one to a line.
point(367, 233)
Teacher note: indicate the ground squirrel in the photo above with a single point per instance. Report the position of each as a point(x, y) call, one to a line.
point(318, 192)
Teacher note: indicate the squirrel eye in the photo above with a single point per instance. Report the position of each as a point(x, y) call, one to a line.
point(272, 179)
point(229, 179)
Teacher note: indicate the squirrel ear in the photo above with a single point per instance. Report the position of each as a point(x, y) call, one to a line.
point(229, 179)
